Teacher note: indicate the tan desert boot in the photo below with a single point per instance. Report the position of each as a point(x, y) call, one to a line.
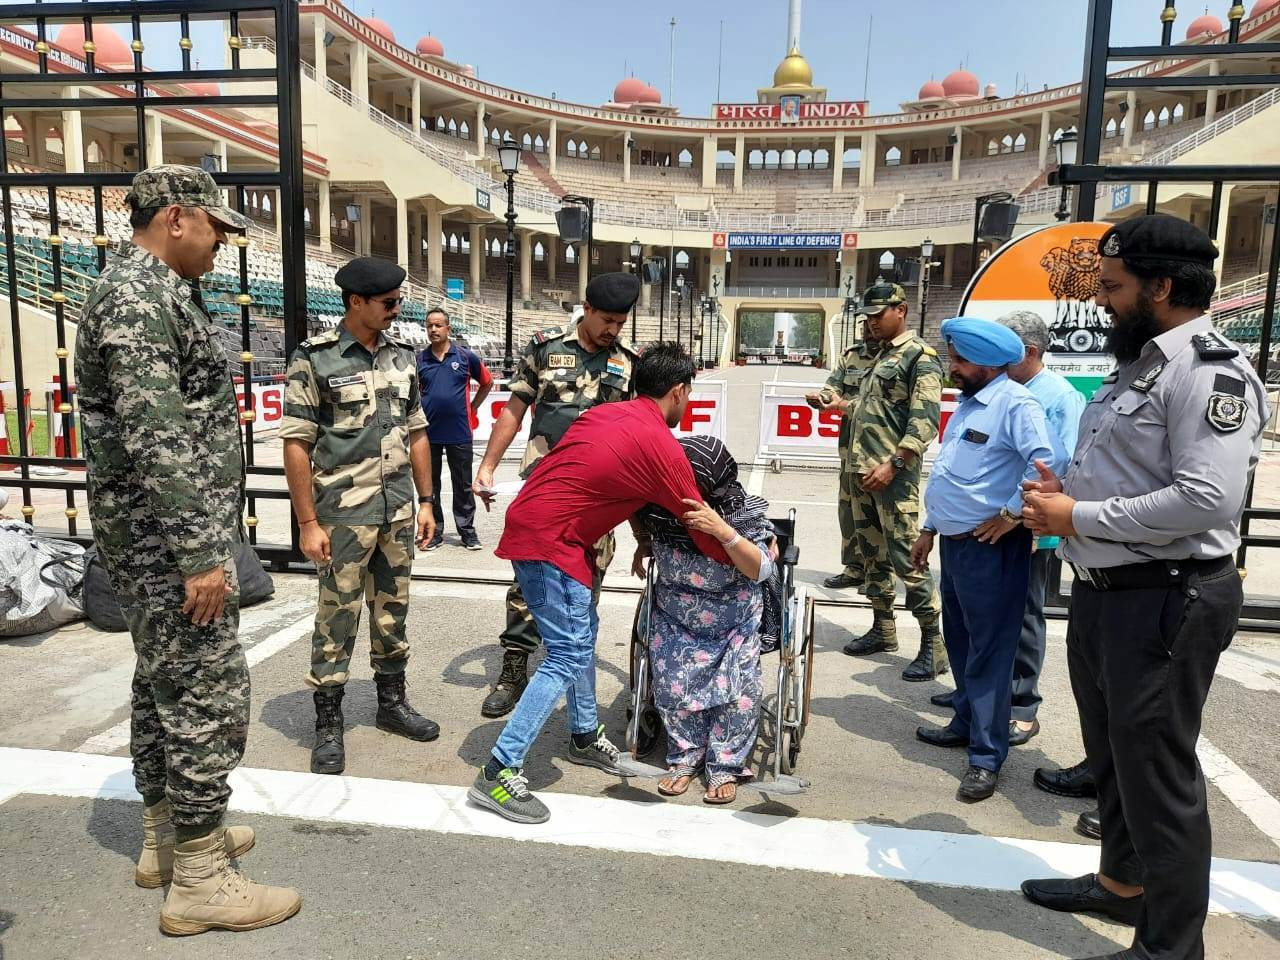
point(155, 865)
point(207, 894)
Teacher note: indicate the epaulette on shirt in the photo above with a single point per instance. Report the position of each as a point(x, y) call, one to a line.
point(542, 336)
point(320, 340)
point(1211, 345)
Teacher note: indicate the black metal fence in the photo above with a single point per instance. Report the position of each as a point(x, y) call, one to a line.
point(64, 260)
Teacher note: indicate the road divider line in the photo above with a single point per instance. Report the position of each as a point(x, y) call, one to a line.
point(1245, 793)
point(1244, 888)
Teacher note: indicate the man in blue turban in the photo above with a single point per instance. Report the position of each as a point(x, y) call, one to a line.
point(974, 504)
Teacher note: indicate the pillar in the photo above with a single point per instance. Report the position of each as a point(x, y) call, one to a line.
point(324, 216)
point(365, 246)
point(322, 52)
point(1224, 218)
point(477, 257)
point(739, 159)
point(1210, 107)
point(435, 246)
point(402, 233)
point(957, 149)
point(525, 240)
point(626, 157)
point(646, 289)
point(360, 72)
point(479, 128)
point(1046, 138)
point(837, 162)
point(155, 140)
point(727, 329)
point(415, 108)
point(582, 272)
point(710, 145)
point(867, 168)
point(948, 264)
point(223, 163)
point(553, 149)
point(72, 136)
point(553, 251)
point(1130, 118)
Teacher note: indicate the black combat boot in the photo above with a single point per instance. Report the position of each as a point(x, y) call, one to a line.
point(328, 755)
point(931, 662)
point(882, 637)
point(394, 713)
point(511, 684)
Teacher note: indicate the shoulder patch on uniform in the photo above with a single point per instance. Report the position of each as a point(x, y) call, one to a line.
point(929, 351)
point(1144, 383)
point(1225, 383)
point(320, 339)
point(1111, 377)
point(1212, 345)
point(542, 336)
point(1225, 413)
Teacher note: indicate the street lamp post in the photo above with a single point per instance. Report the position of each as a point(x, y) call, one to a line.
point(980, 204)
point(1066, 145)
point(926, 264)
point(680, 309)
point(509, 159)
point(635, 268)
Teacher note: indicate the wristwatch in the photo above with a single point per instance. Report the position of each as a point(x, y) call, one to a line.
point(429, 498)
point(1008, 517)
point(897, 462)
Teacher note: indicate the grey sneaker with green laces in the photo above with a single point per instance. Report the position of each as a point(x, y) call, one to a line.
point(601, 754)
point(508, 796)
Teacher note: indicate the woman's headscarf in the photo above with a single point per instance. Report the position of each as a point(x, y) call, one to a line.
point(716, 473)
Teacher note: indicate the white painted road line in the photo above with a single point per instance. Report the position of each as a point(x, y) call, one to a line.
point(114, 738)
point(1245, 793)
point(1245, 888)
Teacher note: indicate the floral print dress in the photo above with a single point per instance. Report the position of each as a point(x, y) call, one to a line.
point(704, 648)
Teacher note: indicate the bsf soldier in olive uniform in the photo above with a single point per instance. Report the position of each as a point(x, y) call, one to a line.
point(561, 374)
point(841, 393)
point(899, 407)
point(356, 447)
point(166, 488)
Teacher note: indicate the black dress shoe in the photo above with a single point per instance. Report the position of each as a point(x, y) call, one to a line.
point(941, 737)
point(1018, 736)
point(1074, 781)
point(947, 700)
point(1090, 824)
point(842, 581)
point(1083, 895)
point(978, 784)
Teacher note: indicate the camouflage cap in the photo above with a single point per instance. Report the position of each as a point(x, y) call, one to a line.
point(174, 183)
point(879, 296)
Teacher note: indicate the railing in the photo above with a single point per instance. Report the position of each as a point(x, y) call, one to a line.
point(1221, 125)
point(783, 292)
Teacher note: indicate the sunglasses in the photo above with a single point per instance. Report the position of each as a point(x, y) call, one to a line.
point(390, 303)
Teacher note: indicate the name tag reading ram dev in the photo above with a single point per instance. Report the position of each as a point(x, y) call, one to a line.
point(562, 361)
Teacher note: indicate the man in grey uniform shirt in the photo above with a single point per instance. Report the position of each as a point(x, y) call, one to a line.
point(1151, 505)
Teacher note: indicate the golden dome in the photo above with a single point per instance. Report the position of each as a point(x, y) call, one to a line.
point(794, 71)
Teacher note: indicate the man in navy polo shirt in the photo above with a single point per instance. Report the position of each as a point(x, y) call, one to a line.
point(445, 370)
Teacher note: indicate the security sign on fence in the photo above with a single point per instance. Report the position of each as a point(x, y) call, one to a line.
point(268, 402)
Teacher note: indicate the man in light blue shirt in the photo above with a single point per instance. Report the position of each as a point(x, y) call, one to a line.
point(973, 502)
point(1063, 404)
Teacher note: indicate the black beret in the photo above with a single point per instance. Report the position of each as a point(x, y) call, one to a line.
point(367, 276)
point(614, 292)
point(1159, 236)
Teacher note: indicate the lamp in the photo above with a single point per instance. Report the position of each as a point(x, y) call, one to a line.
point(680, 283)
point(509, 157)
point(636, 249)
point(328, 38)
point(926, 249)
point(1066, 144)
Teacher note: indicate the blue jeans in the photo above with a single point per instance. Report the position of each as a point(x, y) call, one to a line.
point(566, 618)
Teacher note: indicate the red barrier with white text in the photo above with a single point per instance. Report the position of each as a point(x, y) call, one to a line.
point(789, 422)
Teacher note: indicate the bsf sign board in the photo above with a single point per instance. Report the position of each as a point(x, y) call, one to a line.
point(482, 199)
point(705, 415)
point(784, 241)
point(1052, 272)
point(792, 109)
point(268, 404)
point(1121, 196)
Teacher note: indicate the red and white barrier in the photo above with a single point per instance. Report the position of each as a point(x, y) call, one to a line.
point(60, 446)
point(4, 420)
point(791, 431)
point(268, 403)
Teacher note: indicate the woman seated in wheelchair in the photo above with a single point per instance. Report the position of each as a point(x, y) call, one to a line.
point(705, 633)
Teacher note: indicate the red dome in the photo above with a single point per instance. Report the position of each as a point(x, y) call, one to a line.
point(1262, 6)
point(205, 89)
point(1205, 25)
point(962, 83)
point(932, 90)
point(111, 48)
point(379, 27)
point(429, 46)
point(630, 90)
point(651, 95)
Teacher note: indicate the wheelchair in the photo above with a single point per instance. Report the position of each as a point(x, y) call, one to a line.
point(788, 713)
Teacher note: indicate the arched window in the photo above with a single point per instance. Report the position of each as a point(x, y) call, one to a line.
point(53, 140)
point(570, 254)
point(771, 159)
point(94, 153)
point(821, 159)
point(527, 142)
point(266, 203)
point(1006, 144)
point(686, 158)
point(441, 125)
point(852, 157)
point(992, 148)
point(755, 159)
point(539, 145)
point(1112, 128)
point(1164, 117)
point(495, 248)
point(1149, 121)
point(539, 252)
point(495, 136)
point(1020, 144)
point(465, 244)
point(1179, 112)
point(682, 260)
point(306, 218)
point(453, 128)
point(804, 159)
point(788, 159)
point(595, 153)
point(464, 131)
point(893, 157)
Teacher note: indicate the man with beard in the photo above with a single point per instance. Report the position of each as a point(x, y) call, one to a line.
point(1151, 508)
point(974, 502)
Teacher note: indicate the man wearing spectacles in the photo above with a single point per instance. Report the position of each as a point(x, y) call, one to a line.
point(355, 449)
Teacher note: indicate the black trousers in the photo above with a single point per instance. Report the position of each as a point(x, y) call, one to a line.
point(464, 501)
point(1141, 662)
point(1029, 657)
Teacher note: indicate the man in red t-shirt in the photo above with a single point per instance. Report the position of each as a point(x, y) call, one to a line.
point(616, 458)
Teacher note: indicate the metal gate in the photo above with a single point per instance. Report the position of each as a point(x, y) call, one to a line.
point(58, 223)
point(1089, 175)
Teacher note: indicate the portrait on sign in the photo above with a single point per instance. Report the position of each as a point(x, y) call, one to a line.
point(790, 109)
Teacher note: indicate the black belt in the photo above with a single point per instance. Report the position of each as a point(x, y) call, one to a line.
point(1154, 573)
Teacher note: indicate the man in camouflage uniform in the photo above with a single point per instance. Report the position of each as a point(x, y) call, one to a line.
point(561, 374)
point(841, 393)
point(899, 406)
point(166, 486)
point(355, 447)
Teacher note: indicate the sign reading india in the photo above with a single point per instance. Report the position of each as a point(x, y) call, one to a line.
point(796, 109)
point(784, 241)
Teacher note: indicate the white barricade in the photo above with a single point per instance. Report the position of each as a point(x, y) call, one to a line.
point(706, 413)
point(268, 404)
point(791, 431)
